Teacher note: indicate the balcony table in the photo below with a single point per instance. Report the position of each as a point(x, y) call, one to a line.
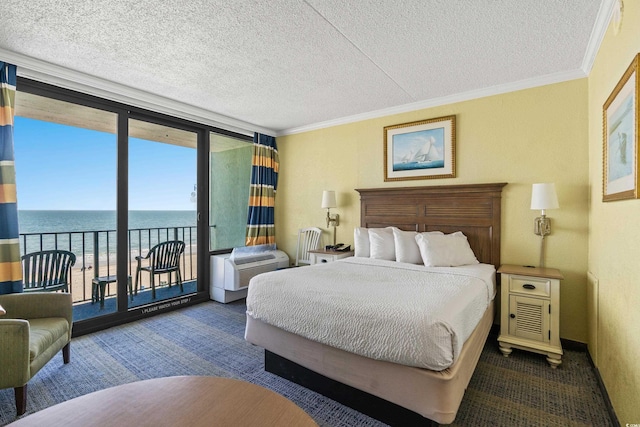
point(98, 285)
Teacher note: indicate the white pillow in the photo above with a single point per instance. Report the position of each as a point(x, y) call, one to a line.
point(445, 250)
point(361, 242)
point(406, 246)
point(381, 244)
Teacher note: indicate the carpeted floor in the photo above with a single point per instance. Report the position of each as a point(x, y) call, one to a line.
point(208, 339)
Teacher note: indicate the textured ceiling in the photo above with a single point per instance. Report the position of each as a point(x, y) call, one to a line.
point(284, 65)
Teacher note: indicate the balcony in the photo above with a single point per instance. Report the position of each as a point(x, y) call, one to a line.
point(96, 257)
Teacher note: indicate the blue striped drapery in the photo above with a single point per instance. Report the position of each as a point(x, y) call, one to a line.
point(264, 182)
point(10, 265)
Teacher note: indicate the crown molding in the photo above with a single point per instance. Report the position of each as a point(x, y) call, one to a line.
point(445, 100)
point(597, 33)
point(56, 75)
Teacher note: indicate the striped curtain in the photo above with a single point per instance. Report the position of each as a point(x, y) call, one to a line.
point(264, 182)
point(10, 265)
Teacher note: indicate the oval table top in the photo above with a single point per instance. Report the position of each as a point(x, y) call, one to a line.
point(186, 400)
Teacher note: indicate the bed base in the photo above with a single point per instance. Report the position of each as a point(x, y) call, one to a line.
point(392, 393)
point(361, 401)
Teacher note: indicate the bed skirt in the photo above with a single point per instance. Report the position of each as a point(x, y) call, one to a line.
point(435, 395)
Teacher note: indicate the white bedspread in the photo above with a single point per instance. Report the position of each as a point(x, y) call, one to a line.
point(402, 313)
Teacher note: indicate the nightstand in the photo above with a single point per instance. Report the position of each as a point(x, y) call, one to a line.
point(530, 311)
point(321, 256)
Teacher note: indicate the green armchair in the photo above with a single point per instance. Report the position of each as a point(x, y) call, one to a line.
point(33, 329)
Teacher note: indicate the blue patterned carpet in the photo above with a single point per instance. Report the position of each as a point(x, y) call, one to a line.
point(208, 339)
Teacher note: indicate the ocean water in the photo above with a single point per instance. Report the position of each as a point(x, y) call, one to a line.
point(63, 221)
point(81, 231)
point(434, 164)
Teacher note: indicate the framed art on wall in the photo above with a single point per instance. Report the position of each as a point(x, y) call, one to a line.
point(424, 149)
point(620, 138)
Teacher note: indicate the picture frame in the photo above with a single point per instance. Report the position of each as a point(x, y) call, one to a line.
point(424, 149)
point(620, 138)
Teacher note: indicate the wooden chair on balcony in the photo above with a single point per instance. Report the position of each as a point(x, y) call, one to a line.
point(47, 270)
point(163, 258)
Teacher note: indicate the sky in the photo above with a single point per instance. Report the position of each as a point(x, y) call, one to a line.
point(60, 167)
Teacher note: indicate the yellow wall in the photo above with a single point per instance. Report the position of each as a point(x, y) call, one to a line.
point(552, 133)
point(533, 135)
point(614, 238)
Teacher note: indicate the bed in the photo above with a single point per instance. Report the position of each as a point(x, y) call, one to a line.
point(396, 391)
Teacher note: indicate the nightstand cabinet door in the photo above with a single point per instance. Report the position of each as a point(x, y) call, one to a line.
point(529, 318)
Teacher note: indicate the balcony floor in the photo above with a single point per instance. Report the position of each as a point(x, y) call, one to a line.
point(86, 310)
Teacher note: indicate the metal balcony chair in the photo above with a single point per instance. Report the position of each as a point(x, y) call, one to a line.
point(308, 240)
point(47, 270)
point(163, 258)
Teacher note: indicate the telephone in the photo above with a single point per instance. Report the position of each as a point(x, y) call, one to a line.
point(340, 247)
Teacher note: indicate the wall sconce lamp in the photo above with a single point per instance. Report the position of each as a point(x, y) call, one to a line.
point(328, 202)
point(543, 197)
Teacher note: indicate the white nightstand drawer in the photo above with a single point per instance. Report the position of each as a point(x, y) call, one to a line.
point(530, 285)
point(320, 259)
point(323, 257)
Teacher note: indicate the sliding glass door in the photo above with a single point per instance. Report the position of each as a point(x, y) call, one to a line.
point(162, 230)
point(126, 180)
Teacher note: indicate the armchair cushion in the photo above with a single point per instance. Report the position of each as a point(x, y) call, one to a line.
point(44, 333)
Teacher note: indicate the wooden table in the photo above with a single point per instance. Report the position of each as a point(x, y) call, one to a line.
point(174, 401)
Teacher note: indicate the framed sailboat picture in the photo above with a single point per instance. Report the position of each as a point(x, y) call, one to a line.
point(420, 150)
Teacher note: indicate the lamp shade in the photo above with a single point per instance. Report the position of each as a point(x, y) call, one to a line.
point(328, 199)
point(543, 196)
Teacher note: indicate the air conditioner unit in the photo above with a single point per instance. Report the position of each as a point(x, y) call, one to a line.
point(230, 276)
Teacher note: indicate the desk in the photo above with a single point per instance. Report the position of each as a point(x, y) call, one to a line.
point(175, 401)
point(98, 285)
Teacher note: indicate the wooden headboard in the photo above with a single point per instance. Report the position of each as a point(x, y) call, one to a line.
point(473, 209)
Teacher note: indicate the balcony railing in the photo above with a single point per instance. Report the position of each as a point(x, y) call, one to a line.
point(96, 253)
